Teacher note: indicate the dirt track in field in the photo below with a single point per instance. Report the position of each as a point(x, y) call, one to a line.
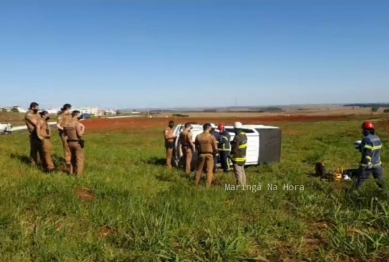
point(146, 123)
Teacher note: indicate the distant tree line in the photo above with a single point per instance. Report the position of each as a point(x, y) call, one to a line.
point(378, 105)
point(245, 110)
point(180, 115)
point(376, 108)
point(15, 110)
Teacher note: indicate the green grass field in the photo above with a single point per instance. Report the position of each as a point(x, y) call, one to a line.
point(142, 212)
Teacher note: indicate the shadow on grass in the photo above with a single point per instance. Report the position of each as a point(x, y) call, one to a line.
point(23, 159)
point(58, 160)
point(156, 161)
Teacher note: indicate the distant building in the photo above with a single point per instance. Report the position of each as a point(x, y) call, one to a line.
point(108, 112)
point(100, 113)
point(53, 111)
point(88, 110)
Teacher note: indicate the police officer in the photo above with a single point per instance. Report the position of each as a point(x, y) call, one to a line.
point(218, 139)
point(370, 149)
point(238, 153)
point(74, 132)
point(63, 117)
point(169, 137)
point(187, 146)
point(206, 145)
point(43, 133)
point(31, 119)
point(224, 148)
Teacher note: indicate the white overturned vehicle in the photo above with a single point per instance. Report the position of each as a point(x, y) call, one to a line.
point(9, 129)
point(5, 129)
point(263, 145)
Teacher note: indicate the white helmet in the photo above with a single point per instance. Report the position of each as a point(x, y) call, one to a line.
point(213, 126)
point(238, 125)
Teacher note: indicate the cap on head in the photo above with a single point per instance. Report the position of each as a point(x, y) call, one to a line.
point(368, 125)
point(221, 127)
point(238, 125)
point(207, 126)
point(34, 104)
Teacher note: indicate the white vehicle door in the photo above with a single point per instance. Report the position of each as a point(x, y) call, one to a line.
point(196, 130)
point(252, 152)
point(177, 148)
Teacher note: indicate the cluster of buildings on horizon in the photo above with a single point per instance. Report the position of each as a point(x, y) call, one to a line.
point(95, 111)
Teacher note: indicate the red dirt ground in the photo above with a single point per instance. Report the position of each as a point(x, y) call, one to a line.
point(146, 123)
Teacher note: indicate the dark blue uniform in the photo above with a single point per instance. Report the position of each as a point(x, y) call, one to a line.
point(371, 161)
point(224, 149)
point(218, 138)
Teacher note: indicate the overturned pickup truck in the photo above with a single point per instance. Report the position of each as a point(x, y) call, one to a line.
point(263, 146)
point(5, 129)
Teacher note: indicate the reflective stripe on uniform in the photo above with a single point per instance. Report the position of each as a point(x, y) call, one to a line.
point(373, 148)
point(238, 159)
point(224, 145)
point(375, 165)
point(243, 146)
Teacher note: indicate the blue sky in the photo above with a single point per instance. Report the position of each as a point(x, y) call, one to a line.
point(128, 54)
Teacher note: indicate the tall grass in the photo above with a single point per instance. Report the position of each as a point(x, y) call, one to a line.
point(142, 212)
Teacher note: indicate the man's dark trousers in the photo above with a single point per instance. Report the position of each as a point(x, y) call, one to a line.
point(224, 160)
point(364, 174)
point(215, 160)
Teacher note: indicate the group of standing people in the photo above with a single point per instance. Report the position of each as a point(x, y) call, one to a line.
point(70, 131)
point(210, 146)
